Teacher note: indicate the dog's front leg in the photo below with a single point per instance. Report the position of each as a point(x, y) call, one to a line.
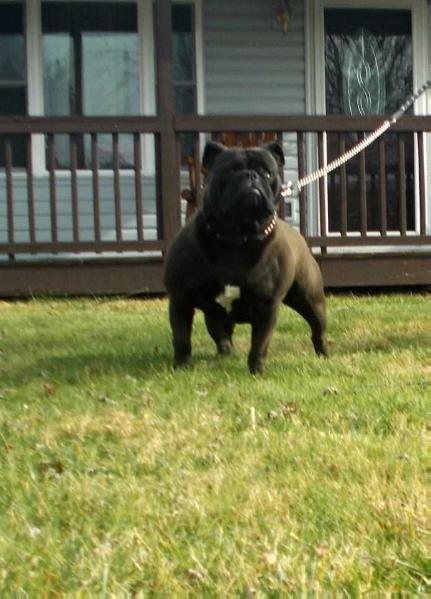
point(181, 312)
point(262, 326)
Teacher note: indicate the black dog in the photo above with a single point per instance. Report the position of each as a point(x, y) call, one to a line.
point(237, 262)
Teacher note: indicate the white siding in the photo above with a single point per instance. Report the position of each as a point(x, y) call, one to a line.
point(251, 66)
point(85, 202)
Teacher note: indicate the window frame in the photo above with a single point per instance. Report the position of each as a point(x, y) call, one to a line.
point(147, 74)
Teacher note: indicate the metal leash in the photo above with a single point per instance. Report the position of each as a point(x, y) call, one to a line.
point(294, 187)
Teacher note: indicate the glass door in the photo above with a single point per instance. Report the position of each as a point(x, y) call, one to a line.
point(369, 71)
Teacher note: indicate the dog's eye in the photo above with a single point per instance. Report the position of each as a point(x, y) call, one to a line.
point(265, 174)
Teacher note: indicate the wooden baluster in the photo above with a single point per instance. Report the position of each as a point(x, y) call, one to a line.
point(30, 190)
point(137, 164)
point(95, 180)
point(303, 193)
point(343, 186)
point(382, 188)
point(402, 185)
point(363, 191)
point(117, 187)
point(9, 190)
point(74, 186)
point(52, 187)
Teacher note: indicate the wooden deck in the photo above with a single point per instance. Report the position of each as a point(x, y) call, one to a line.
point(366, 223)
point(367, 256)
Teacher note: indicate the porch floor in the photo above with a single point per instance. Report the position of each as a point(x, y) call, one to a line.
point(132, 276)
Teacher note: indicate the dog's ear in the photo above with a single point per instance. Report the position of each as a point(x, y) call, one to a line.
point(211, 151)
point(277, 151)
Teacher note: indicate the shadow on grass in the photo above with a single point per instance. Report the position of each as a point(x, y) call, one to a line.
point(78, 368)
point(155, 360)
point(72, 368)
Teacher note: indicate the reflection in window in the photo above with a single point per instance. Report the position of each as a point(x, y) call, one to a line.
point(13, 75)
point(369, 70)
point(91, 67)
point(183, 49)
point(368, 57)
point(59, 75)
point(110, 74)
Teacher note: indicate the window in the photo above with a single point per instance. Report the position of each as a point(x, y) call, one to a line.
point(13, 75)
point(184, 69)
point(184, 58)
point(91, 67)
point(369, 63)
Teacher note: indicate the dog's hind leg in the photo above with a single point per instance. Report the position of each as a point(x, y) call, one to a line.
point(181, 314)
point(312, 309)
point(220, 328)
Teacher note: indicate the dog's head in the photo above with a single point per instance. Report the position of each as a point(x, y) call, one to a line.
point(243, 188)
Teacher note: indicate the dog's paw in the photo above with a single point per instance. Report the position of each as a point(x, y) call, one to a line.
point(182, 363)
point(225, 348)
point(255, 366)
point(320, 346)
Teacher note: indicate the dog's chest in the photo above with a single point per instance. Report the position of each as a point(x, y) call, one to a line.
point(244, 282)
point(240, 303)
point(229, 295)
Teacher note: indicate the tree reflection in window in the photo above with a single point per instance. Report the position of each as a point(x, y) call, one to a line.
point(369, 70)
point(184, 71)
point(91, 67)
point(374, 47)
point(13, 75)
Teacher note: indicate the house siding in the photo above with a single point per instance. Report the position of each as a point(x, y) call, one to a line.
point(251, 66)
point(85, 209)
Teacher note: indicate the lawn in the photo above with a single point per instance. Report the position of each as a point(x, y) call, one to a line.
point(120, 476)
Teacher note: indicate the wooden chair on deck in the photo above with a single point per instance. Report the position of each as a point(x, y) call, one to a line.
point(192, 195)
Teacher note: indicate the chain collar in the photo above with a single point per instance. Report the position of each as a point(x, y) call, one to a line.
point(266, 231)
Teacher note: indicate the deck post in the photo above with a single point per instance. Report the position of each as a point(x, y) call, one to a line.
point(168, 184)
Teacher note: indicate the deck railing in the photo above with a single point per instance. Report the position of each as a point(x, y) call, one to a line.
point(46, 132)
point(328, 137)
point(352, 207)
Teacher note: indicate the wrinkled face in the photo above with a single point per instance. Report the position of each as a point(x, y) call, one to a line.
point(243, 190)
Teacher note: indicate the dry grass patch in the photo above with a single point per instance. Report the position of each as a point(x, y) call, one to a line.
point(120, 476)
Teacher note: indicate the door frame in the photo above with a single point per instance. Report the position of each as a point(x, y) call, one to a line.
point(315, 92)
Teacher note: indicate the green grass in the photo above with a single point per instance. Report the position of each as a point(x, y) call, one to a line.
point(121, 476)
